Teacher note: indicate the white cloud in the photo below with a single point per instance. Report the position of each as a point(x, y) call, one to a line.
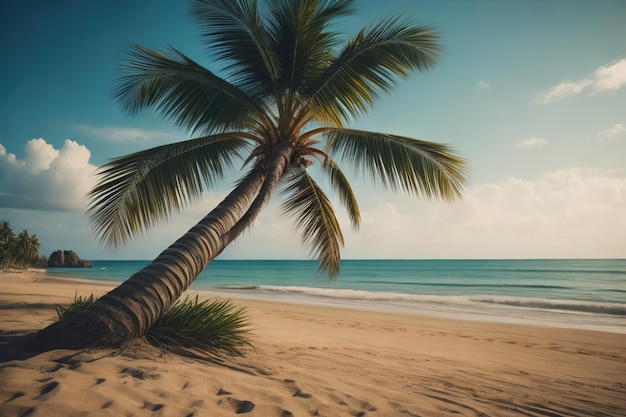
point(483, 85)
point(606, 78)
point(611, 77)
point(39, 155)
point(569, 213)
point(47, 178)
point(123, 134)
point(531, 143)
point(615, 130)
point(562, 90)
point(573, 213)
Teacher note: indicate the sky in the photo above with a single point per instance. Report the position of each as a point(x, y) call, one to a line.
point(531, 93)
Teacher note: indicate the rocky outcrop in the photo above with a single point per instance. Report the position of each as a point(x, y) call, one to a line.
point(67, 259)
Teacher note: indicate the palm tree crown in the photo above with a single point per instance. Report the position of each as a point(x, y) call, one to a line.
point(289, 90)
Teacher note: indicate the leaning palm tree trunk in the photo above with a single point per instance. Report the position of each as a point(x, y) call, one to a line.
point(133, 307)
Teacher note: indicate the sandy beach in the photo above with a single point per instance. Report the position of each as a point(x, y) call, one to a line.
point(313, 361)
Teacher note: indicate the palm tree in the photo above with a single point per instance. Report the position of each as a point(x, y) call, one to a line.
point(7, 244)
point(27, 249)
point(288, 92)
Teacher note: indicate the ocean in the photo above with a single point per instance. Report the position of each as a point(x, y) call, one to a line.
point(572, 293)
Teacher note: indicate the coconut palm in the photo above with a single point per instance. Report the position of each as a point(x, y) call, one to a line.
point(7, 244)
point(285, 98)
point(26, 249)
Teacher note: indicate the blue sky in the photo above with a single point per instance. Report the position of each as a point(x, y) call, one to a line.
point(531, 93)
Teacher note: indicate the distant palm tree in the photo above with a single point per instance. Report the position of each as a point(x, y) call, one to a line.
point(288, 93)
point(26, 249)
point(7, 244)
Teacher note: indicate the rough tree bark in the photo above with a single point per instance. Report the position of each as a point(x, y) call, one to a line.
point(134, 306)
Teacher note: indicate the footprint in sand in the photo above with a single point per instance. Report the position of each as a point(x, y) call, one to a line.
point(295, 391)
point(106, 405)
point(70, 360)
point(301, 394)
point(238, 406)
point(16, 395)
point(241, 407)
point(356, 407)
point(49, 387)
point(367, 406)
point(152, 407)
point(140, 373)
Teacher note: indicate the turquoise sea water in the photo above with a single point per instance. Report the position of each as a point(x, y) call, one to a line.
point(564, 293)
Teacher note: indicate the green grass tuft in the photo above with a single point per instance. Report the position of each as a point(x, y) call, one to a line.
point(202, 329)
point(206, 328)
point(75, 306)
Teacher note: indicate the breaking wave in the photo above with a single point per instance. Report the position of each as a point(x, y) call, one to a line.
point(615, 309)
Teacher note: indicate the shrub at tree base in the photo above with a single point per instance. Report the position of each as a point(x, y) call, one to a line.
point(209, 328)
point(75, 307)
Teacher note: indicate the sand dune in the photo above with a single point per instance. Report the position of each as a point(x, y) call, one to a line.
point(311, 361)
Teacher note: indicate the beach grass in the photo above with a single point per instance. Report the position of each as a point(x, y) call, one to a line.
point(190, 327)
point(79, 304)
point(208, 328)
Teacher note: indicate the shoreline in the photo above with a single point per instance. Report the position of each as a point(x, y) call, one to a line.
point(316, 360)
point(461, 308)
point(490, 313)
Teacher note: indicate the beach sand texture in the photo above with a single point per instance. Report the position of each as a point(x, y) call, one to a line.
point(313, 361)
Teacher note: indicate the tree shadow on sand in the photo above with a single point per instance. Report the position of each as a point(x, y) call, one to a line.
point(13, 345)
point(17, 344)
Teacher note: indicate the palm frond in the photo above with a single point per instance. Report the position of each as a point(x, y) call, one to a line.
point(328, 10)
point(301, 40)
point(372, 63)
point(343, 188)
point(136, 191)
point(181, 90)
point(315, 220)
point(401, 163)
point(234, 33)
